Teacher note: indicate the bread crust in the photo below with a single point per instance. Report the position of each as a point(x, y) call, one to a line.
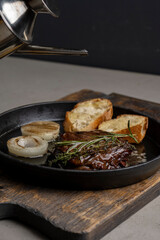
point(139, 129)
point(107, 115)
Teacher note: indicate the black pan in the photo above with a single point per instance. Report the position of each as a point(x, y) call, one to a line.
point(11, 121)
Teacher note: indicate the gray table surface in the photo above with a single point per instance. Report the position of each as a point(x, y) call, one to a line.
point(29, 81)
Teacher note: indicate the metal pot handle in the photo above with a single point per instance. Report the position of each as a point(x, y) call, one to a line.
point(39, 50)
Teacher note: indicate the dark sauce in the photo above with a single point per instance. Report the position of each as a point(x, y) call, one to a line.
point(115, 158)
point(137, 156)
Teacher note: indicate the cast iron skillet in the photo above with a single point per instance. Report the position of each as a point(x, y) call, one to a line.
point(11, 121)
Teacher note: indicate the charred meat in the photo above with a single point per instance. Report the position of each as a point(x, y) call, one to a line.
point(94, 150)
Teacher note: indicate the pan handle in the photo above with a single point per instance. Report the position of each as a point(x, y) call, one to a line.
point(39, 50)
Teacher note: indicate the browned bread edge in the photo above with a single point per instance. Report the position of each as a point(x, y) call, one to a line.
point(107, 115)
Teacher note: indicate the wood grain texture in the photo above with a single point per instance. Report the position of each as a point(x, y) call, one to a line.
point(88, 215)
point(144, 107)
point(84, 94)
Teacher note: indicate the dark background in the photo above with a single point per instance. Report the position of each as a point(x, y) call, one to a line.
point(118, 34)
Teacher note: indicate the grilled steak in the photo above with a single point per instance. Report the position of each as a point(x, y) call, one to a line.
point(114, 155)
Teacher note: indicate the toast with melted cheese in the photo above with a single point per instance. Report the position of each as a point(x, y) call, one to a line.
point(87, 115)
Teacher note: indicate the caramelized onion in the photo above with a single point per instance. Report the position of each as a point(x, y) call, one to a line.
point(45, 129)
point(27, 146)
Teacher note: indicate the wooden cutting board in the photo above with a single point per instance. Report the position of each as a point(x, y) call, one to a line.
point(89, 215)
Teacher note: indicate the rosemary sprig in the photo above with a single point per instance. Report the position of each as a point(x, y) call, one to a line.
point(131, 135)
point(81, 148)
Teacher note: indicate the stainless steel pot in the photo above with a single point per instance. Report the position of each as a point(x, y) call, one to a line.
point(17, 19)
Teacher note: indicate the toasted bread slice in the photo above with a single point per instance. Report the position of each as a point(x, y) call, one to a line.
point(138, 126)
point(87, 115)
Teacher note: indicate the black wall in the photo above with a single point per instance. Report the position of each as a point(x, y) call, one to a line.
point(119, 34)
